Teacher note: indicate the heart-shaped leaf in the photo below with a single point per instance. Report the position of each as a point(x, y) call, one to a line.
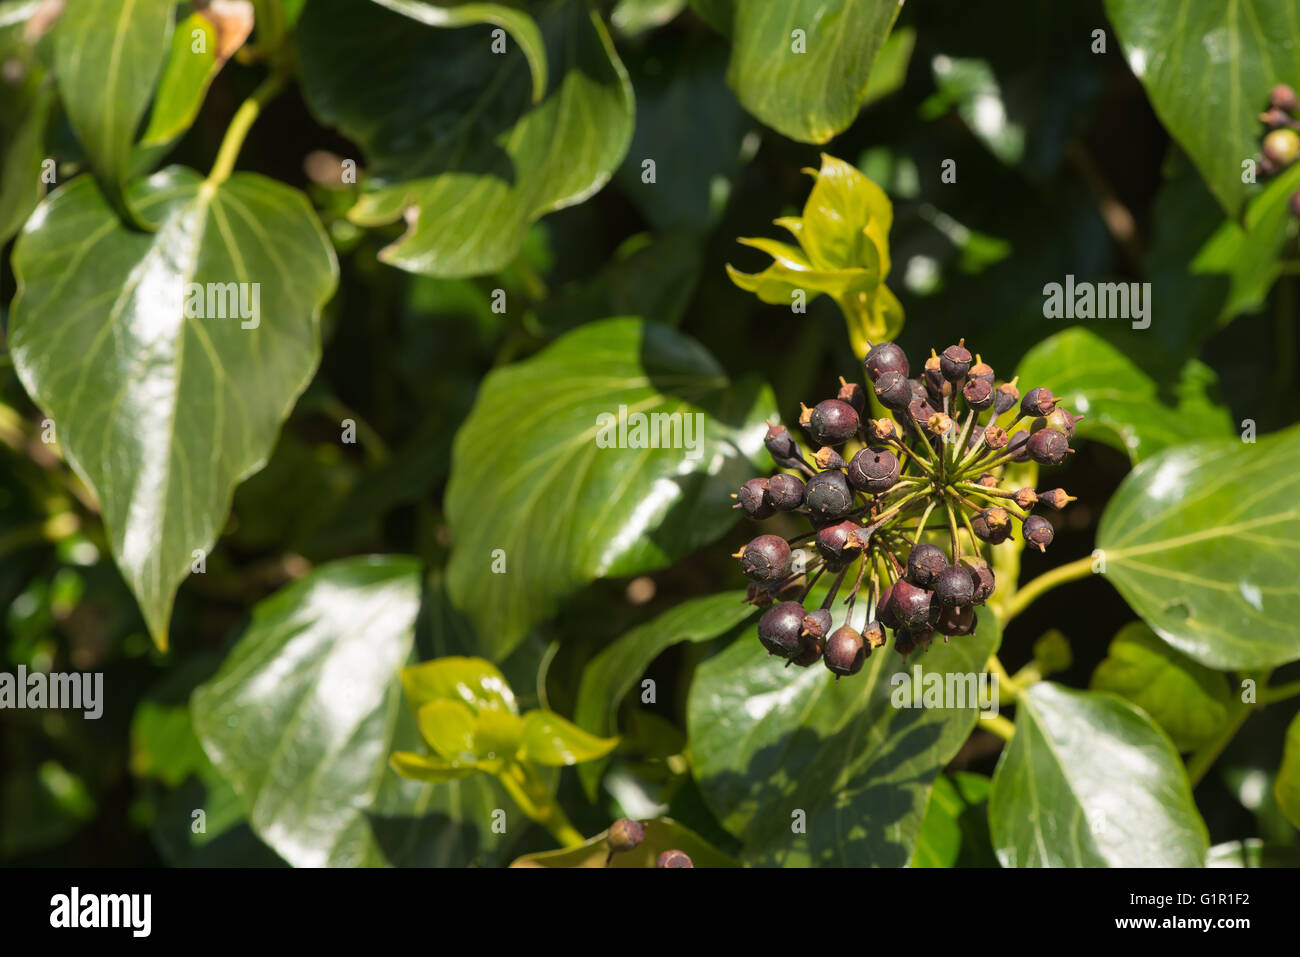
point(1185, 698)
point(662, 834)
point(1208, 69)
point(169, 359)
point(1119, 402)
point(1088, 781)
point(455, 144)
point(107, 57)
point(626, 439)
point(1286, 787)
point(852, 760)
point(803, 66)
point(1201, 541)
point(613, 672)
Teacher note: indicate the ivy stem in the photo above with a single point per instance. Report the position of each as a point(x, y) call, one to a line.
point(1203, 759)
point(528, 791)
point(240, 124)
point(1280, 693)
point(999, 671)
point(999, 725)
point(1024, 597)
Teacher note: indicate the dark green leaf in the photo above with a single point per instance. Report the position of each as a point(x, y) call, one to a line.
point(1089, 781)
point(185, 80)
point(955, 830)
point(767, 742)
point(543, 514)
point(1252, 852)
point(161, 414)
point(454, 143)
point(21, 186)
point(1286, 788)
point(1202, 541)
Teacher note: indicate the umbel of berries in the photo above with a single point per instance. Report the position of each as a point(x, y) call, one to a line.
point(902, 485)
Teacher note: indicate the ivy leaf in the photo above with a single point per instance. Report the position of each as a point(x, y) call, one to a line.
point(553, 741)
point(574, 496)
point(191, 67)
point(661, 834)
point(1120, 403)
point(472, 681)
point(1088, 781)
point(1208, 69)
point(1201, 541)
point(519, 24)
point(613, 673)
point(766, 741)
point(21, 185)
point(955, 831)
point(468, 190)
point(807, 91)
point(161, 414)
point(1252, 852)
point(1189, 701)
point(1286, 787)
point(107, 56)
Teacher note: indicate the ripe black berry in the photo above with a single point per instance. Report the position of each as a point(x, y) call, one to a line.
point(780, 443)
point(873, 470)
point(954, 587)
point(1038, 532)
point(903, 642)
point(817, 623)
point(1048, 447)
point(996, 438)
point(1026, 498)
point(828, 496)
point(1039, 401)
point(993, 525)
point(885, 608)
point(781, 629)
point(883, 358)
point(625, 834)
point(935, 383)
point(924, 564)
point(912, 606)
point(983, 575)
point(873, 635)
point(832, 422)
point(978, 394)
point(1017, 445)
point(810, 652)
point(1004, 397)
point(983, 371)
point(674, 859)
point(785, 491)
point(753, 499)
point(766, 559)
point(845, 651)
point(957, 620)
point(853, 394)
point(839, 542)
point(894, 391)
point(955, 362)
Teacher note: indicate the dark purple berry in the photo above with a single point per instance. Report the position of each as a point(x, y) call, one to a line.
point(828, 458)
point(1048, 447)
point(1018, 445)
point(936, 386)
point(625, 834)
point(873, 470)
point(845, 651)
point(839, 543)
point(1062, 421)
point(785, 491)
point(1038, 532)
point(1039, 401)
point(911, 606)
point(810, 652)
point(780, 629)
point(817, 623)
point(828, 496)
point(903, 642)
point(1026, 498)
point(874, 635)
point(981, 371)
point(992, 525)
point(955, 362)
point(780, 443)
point(983, 575)
point(674, 859)
point(954, 587)
point(957, 620)
point(753, 499)
point(1282, 97)
point(978, 394)
point(924, 564)
point(885, 608)
point(894, 391)
point(832, 422)
point(1004, 397)
point(853, 394)
point(1056, 498)
point(766, 559)
point(883, 358)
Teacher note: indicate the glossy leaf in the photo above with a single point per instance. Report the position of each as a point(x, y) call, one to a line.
point(1188, 700)
point(472, 681)
point(955, 831)
point(768, 741)
point(618, 668)
point(1088, 781)
point(553, 741)
point(1252, 852)
point(1202, 541)
point(468, 190)
point(1286, 787)
point(21, 156)
point(107, 56)
point(190, 68)
point(302, 716)
point(661, 835)
point(430, 768)
point(808, 91)
point(161, 414)
point(561, 510)
point(448, 727)
point(1208, 69)
point(1121, 404)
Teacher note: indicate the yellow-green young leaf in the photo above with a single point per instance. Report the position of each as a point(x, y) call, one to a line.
point(107, 56)
point(190, 68)
point(168, 360)
point(520, 25)
point(552, 740)
point(467, 190)
point(662, 834)
point(498, 735)
point(1286, 788)
point(448, 727)
point(472, 681)
point(1201, 540)
point(1187, 699)
point(423, 767)
point(846, 220)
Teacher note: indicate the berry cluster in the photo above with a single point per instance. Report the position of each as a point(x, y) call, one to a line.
point(940, 454)
point(1280, 146)
point(626, 835)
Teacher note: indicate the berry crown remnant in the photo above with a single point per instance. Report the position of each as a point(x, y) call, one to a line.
point(902, 507)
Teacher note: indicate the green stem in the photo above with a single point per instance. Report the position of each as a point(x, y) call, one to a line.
point(998, 670)
point(1280, 693)
point(1203, 759)
point(528, 791)
point(999, 725)
point(1024, 597)
point(240, 124)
